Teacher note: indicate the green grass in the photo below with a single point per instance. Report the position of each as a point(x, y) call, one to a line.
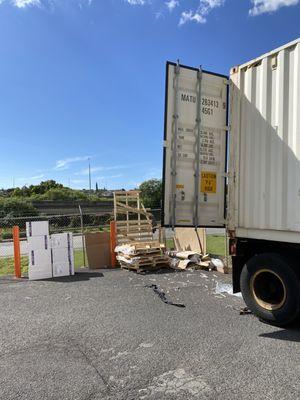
point(78, 258)
point(170, 244)
point(215, 244)
point(7, 263)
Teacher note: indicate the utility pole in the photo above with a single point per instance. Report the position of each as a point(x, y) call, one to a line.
point(90, 179)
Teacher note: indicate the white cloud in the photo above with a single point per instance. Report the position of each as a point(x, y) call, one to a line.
point(268, 6)
point(65, 163)
point(108, 168)
point(200, 14)
point(85, 171)
point(136, 2)
point(102, 178)
point(77, 181)
point(153, 173)
point(31, 178)
point(171, 4)
point(26, 3)
point(40, 3)
point(159, 15)
point(187, 16)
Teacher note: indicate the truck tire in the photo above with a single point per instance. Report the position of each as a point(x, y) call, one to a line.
point(270, 288)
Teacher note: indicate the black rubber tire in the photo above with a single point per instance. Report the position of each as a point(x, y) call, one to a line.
point(290, 308)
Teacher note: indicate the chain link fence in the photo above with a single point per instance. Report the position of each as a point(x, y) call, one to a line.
point(78, 224)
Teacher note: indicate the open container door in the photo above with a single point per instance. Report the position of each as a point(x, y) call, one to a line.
point(195, 148)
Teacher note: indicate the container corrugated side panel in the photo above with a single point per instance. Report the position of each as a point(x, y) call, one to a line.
point(268, 164)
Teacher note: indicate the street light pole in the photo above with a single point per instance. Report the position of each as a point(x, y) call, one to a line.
point(90, 179)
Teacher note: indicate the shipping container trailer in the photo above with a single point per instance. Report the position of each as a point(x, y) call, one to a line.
point(252, 186)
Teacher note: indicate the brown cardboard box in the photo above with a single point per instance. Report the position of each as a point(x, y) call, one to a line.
point(187, 239)
point(98, 249)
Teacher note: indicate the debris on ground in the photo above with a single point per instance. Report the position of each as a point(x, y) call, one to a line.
point(219, 265)
point(161, 294)
point(222, 288)
point(245, 311)
point(142, 256)
point(195, 260)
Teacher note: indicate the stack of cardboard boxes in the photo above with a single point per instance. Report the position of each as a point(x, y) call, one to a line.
point(62, 254)
point(49, 256)
point(39, 250)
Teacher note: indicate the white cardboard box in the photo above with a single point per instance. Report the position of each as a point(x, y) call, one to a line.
point(40, 265)
point(61, 256)
point(39, 242)
point(61, 269)
point(37, 228)
point(62, 240)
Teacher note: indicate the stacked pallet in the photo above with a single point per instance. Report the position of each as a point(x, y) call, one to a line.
point(133, 220)
point(142, 256)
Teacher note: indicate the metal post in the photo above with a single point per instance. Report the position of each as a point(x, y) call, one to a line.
point(174, 149)
point(82, 235)
point(113, 243)
point(17, 252)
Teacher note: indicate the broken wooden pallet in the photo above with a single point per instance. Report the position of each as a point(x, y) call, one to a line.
point(146, 255)
point(141, 261)
point(133, 220)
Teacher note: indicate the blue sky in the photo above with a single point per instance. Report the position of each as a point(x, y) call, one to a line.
point(85, 78)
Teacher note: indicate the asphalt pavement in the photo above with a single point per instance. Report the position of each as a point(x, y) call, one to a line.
point(110, 336)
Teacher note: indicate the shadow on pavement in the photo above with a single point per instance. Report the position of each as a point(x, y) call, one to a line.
point(79, 276)
point(290, 333)
point(84, 275)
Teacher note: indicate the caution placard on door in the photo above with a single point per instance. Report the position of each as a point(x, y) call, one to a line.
point(208, 182)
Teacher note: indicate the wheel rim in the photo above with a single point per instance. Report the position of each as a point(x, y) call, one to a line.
point(268, 289)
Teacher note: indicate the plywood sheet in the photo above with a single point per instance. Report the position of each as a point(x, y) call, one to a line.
point(98, 249)
point(187, 239)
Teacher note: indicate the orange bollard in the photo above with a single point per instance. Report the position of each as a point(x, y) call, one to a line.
point(113, 244)
point(17, 251)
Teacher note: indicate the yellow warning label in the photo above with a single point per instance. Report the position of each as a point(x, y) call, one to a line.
point(208, 182)
point(179, 186)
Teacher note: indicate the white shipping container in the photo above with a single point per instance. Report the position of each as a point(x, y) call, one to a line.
point(264, 200)
point(37, 228)
point(195, 141)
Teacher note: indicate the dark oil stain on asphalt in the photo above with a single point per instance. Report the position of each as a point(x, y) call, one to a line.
point(161, 294)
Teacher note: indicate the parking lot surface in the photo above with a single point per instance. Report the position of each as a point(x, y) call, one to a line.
point(109, 335)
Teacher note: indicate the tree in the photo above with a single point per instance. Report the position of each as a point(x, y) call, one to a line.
point(34, 190)
point(14, 207)
point(151, 193)
point(97, 189)
point(63, 194)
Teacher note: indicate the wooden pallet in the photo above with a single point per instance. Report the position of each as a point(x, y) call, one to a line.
point(133, 220)
point(142, 261)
